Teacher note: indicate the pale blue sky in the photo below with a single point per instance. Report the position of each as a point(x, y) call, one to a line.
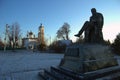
point(53, 13)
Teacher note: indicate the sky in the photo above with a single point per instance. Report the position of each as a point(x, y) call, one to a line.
point(54, 13)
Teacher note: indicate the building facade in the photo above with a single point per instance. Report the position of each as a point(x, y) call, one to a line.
point(31, 42)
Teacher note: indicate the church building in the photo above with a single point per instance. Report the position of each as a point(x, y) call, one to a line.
point(31, 42)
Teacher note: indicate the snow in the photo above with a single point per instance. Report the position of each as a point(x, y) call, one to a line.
point(25, 65)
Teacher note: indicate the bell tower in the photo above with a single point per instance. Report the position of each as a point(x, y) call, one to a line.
point(41, 34)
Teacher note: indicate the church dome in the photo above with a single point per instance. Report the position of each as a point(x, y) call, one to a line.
point(30, 33)
point(41, 26)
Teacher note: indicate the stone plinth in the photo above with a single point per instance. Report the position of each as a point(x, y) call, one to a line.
point(87, 58)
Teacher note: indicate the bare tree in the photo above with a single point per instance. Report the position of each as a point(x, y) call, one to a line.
point(14, 34)
point(17, 33)
point(64, 31)
point(60, 34)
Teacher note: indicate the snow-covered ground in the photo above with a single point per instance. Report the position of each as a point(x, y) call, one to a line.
point(25, 65)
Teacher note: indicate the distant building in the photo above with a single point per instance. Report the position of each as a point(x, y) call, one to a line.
point(41, 35)
point(31, 42)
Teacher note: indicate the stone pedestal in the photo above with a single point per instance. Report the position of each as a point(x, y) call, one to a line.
point(88, 57)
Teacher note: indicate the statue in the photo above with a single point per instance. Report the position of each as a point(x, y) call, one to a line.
point(93, 28)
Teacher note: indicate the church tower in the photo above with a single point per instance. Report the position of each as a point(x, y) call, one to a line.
point(41, 34)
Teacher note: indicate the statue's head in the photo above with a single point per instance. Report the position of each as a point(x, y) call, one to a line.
point(93, 11)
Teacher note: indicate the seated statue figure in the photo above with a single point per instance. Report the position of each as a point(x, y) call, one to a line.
point(93, 28)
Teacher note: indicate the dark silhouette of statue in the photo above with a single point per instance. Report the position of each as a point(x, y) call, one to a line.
point(93, 28)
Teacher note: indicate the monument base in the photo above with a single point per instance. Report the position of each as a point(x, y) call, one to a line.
point(88, 57)
point(85, 62)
